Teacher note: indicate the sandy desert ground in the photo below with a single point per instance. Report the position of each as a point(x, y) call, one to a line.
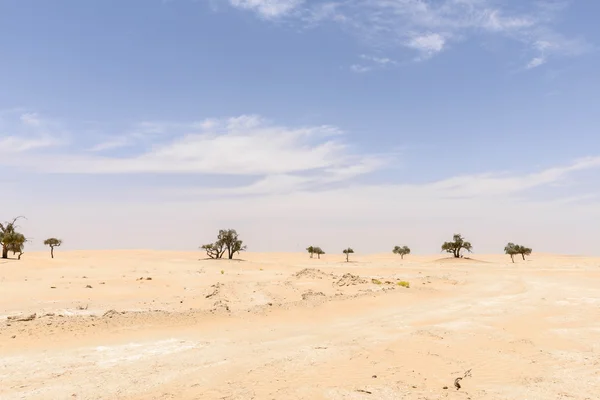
point(168, 325)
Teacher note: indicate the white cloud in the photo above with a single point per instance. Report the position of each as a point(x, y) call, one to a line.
point(23, 131)
point(535, 62)
point(428, 44)
point(15, 144)
point(358, 68)
point(112, 143)
point(244, 145)
point(428, 26)
point(31, 119)
point(267, 8)
point(373, 62)
point(377, 60)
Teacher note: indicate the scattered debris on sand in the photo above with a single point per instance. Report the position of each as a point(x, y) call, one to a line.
point(21, 318)
point(217, 289)
point(310, 294)
point(350, 280)
point(110, 313)
point(311, 273)
point(220, 305)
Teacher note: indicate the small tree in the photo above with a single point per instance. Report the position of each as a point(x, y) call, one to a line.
point(227, 240)
point(456, 245)
point(214, 250)
point(523, 251)
point(10, 238)
point(318, 252)
point(311, 250)
point(404, 250)
point(52, 242)
point(511, 249)
point(16, 243)
point(347, 252)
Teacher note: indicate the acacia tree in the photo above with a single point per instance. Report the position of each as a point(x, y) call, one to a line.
point(52, 242)
point(16, 243)
point(523, 251)
point(511, 249)
point(457, 245)
point(404, 250)
point(347, 252)
point(214, 250)
point(311, 250)
point(227, 240)
point(10, 239)
point(318, 251)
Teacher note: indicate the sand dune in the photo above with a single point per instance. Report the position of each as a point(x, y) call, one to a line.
point(169, 325)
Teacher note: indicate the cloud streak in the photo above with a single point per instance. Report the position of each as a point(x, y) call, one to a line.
point(428, 27)
point(248, 145)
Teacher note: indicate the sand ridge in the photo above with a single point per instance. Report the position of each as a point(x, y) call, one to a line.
point(285, 326)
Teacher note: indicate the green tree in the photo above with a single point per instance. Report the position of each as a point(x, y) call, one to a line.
point(347, 252)
point(52, 242)
point(402, 250)
point(458, 243)
point(16, 243)
point(10, 239)
point(227, 240)
point(523, 251)
point(319, 252)
point(511, 249)
point(311, 250)
point(214, 250)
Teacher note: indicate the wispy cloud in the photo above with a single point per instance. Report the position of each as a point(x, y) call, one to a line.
point(245, 145)
point(268, 9)
point(535, 62)
point(359, 68)
point(22, 131)
point(428, 26)
point(16, 144)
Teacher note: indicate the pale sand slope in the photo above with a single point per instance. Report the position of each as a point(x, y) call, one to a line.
point(529, 330)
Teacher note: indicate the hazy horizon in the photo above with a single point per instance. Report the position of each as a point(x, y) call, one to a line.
point(153, 124)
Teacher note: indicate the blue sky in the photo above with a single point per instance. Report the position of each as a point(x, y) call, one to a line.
point(367, 123)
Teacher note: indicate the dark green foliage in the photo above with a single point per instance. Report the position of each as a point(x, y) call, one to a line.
point(10, 239)
point(311, 250)
point(16, 243)
point(52, 242)
point(347, 252)
point(402, 250)
point(214, 250)
point(458, 243)
point(511, 249)
point(227, 240)
point(318, 251)
point(523, 251)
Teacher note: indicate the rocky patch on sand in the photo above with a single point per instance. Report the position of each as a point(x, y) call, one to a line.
point(309, 294)
point(350, 280)
point(311, 273)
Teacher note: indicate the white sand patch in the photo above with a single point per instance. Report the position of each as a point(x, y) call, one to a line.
point(107, 357)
